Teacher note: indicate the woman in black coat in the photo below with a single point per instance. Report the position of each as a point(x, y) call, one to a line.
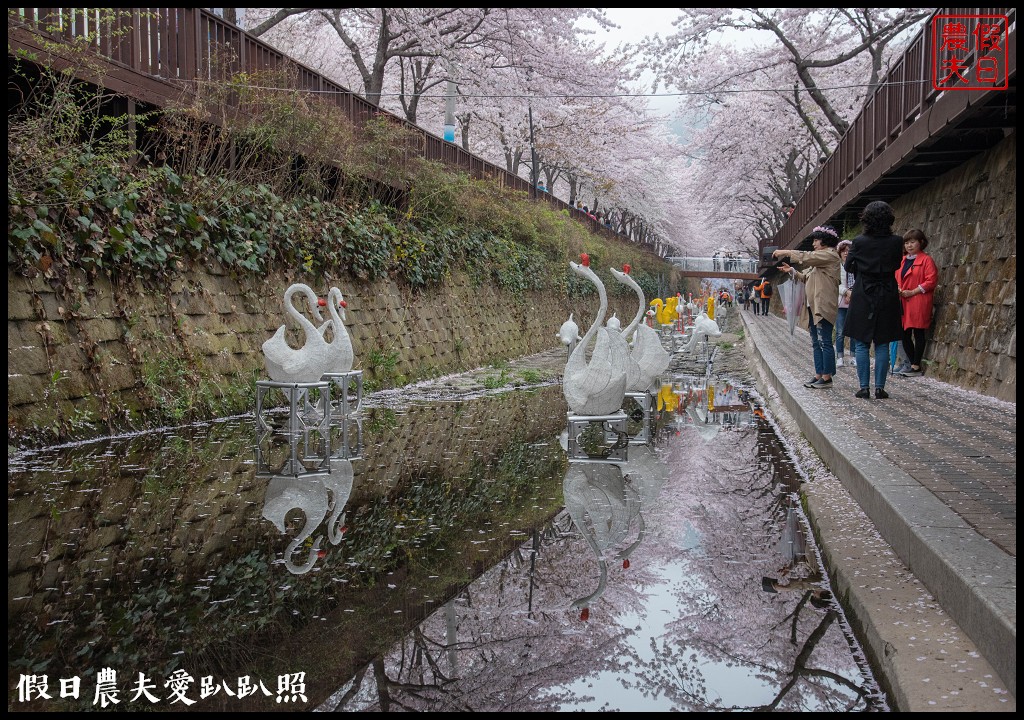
point(875, 309)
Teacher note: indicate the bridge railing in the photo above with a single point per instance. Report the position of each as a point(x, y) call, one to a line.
point(713, 265)
point(903, 96)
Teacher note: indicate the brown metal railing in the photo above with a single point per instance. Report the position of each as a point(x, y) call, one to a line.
point(904, 95)
point(180, 45)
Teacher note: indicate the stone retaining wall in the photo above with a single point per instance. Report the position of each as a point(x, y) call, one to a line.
point(95, 357)
point(970, 218)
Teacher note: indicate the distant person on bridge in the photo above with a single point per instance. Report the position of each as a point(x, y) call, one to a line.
point(821, 274)
point(875, 308)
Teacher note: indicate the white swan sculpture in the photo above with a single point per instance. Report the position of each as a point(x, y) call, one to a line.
point(597, 387)
point(303, 365)
point(569, 334)
point(602, 508)
point(285, 493)
point(342, 356)
point(647, 352)
point(703, 327)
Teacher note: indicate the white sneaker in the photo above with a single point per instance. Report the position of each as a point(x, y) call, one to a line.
point(839, 362)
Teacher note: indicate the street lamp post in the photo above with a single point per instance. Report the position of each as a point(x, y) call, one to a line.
point(449, 109)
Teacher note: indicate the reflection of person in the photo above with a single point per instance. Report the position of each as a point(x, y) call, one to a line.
point(819, 597)
point(917, 280)
point(797, 571)
point(846, 281)
point(874, 315)
point(822, 280)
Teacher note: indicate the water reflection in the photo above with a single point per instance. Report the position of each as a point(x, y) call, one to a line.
point(315, 478)
point(453, 585)
point(685, 625)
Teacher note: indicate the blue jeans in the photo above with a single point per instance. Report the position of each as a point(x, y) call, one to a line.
point(824, 351)
point(840, 324)
point(862, 353)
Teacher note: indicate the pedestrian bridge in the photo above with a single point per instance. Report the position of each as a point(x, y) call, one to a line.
point(722, 267)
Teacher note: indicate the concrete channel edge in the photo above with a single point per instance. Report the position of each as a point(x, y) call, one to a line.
point(938, 547)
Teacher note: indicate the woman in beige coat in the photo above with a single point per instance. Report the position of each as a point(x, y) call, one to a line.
point(820, 271)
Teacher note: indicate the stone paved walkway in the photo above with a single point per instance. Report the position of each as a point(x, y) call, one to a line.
point(933, 467)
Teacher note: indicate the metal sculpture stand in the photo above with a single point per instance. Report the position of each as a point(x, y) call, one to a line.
point(309, 405)
point(638, 408)
point(349, 392)
point(612, 428)
point(308, 456)
point(346, 439)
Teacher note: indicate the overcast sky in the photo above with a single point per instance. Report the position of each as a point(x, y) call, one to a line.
point(634, 25)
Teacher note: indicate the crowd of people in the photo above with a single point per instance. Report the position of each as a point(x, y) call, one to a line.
point(876, 289)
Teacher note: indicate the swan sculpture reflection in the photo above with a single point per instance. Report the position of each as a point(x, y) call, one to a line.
point(596, 387)
point(342, 356)
point(309, 494)
point(647, 353)
point(297, 365)
point(698, 415)
point(602, 509)
point(339, 482)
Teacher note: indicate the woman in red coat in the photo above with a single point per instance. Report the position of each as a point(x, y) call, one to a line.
point(917, 280)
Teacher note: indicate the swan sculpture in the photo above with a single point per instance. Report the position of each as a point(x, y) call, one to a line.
point(303, 365)
point(569, 334)
point(285, 493)
point(597, 387)
point(342, 355)
point(602, 508)
point(647, 353)
point(703, 327)
point(614, 323)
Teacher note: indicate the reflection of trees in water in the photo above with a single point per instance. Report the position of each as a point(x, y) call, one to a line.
point(798, 685)
point(792, 647)
point(512, 642)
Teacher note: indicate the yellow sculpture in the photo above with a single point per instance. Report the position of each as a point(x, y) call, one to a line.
point(667, 398)
point(670, 310)
point(658, 306)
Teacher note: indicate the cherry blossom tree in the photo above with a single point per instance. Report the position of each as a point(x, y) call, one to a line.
point(590, 139)
point(769, 113)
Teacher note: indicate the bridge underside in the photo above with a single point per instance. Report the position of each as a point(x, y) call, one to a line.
point(724, 275)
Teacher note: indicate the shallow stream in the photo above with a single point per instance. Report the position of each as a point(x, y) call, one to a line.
point(433, 554)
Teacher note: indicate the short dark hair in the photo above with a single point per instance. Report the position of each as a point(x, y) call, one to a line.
point(918, 235)
point(878, 218)
point(827, 234)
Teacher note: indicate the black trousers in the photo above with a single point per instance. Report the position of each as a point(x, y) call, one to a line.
point(914, 340)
